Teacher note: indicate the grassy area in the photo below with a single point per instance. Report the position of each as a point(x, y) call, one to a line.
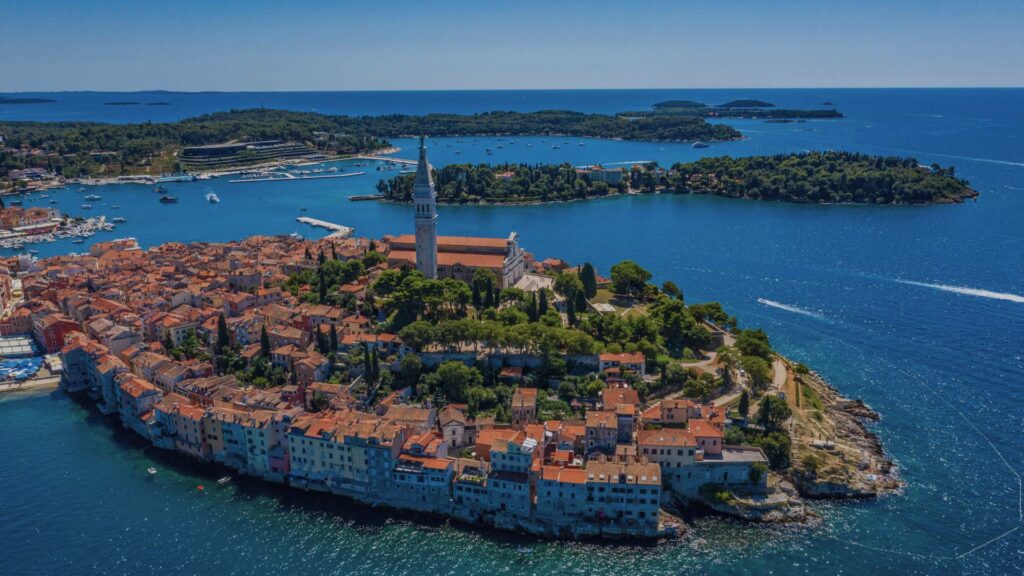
point(624, 305)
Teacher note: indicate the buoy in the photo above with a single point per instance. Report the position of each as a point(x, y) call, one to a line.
point(200, 488)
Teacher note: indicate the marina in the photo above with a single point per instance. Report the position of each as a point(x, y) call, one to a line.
point(287, 176)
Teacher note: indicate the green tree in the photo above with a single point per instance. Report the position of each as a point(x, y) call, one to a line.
point(223, 339)
point(629, 278)
point(588, 277)
point(454, 379)
point(568, 285)
point(334, 339)
point(744, 407)
point(759, 370)
point(672, 290)
point(264, 342)
point(773, 412)
point(542, 303)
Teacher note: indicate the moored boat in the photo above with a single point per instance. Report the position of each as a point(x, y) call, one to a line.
point(168, 200)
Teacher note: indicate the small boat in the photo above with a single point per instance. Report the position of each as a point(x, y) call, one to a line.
point(15, 202)
point(224, 480)
point(86, 206)
point(699, 144)
point(555, 147)
point(81, 190)
point(119, 220)
point(33, 251)
point(44, 195)
point(168, 200)
point(54, 201)
point(151, 470)
point(212, 198)
point(160, 189)
point(77, 241)
point(303, 209)
point(115, 206)
point(93, 197)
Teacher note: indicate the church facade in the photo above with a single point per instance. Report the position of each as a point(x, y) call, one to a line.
point(455, 257)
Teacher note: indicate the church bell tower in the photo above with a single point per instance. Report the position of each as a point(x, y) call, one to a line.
point(425, 200)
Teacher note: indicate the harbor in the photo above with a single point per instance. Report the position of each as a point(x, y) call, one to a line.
point(287, 176)
point(75, 229)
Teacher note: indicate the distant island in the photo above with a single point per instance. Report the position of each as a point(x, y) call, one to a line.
point(5, 100)
point(122, 103)
point(810, 178)
point(747, 104)
point(744, 108)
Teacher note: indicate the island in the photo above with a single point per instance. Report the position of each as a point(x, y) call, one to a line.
point(19, 100)
point(814, 178)
point(747, 103)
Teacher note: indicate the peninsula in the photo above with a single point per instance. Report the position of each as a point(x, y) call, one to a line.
point(88, 149)
point(814, 178)
point(454, 376)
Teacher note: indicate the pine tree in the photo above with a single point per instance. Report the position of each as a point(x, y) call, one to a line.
point(264, 342)
point(589, 279)
point(542, 305)
point(222, 334)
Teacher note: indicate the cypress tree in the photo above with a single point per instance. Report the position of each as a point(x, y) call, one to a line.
point(264, 342)
point(334, 252)
point(570, 312)
point(532, 311)
point(366, 362)
point(589, 279)
point(322, 345)
point(476, 297)
point(542, 304)
point(323, 288)
point(320, 258)
point(488, 296)
point(375, 364)
point(222, 334)
point(580, 302)
point(334, 339)
point(309, 255)
point(744, 407)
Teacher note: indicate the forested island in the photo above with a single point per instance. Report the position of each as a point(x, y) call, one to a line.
point(814, 178)
point(743, 108)
point(6, 100)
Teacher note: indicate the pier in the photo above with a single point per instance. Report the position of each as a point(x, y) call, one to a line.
point(386, 159)
point(286, 177)
point(337, 230)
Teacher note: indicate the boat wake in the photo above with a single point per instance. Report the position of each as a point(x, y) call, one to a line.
point(968, 291)
point(790, 308)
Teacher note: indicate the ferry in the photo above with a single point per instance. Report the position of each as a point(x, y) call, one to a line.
point(87, 206)
point(168, 200)
point(699, 144)
point(119, 220)
point(93, 197)
point(212, 198)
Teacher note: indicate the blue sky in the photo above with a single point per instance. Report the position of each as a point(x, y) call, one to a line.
point(277, 45)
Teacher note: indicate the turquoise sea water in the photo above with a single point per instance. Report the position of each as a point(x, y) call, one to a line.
point(919, 311)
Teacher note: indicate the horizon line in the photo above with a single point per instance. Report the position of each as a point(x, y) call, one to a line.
point(372, 90)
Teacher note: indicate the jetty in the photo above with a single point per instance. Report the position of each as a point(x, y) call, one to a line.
point(385, 159)
point(337, 230)
point(285, 177)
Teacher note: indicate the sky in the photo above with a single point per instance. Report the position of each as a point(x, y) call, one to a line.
point(262, 45)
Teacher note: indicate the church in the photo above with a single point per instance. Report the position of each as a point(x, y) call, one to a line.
point(455, 257)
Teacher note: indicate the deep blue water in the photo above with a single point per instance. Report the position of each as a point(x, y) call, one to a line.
point(872, 299)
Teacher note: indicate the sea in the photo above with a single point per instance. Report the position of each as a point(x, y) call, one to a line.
point(919, 311)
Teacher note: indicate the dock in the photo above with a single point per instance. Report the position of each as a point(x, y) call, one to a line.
point(366, 197)
point(291, 177)
point(386, 159)
point(337, 230)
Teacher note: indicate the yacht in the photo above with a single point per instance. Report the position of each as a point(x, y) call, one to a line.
point(119, 220)
point(78, 241)
point(212, 198)
point(699, 144)
point(87, 206)
point(93, 197)
point(168, 200)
